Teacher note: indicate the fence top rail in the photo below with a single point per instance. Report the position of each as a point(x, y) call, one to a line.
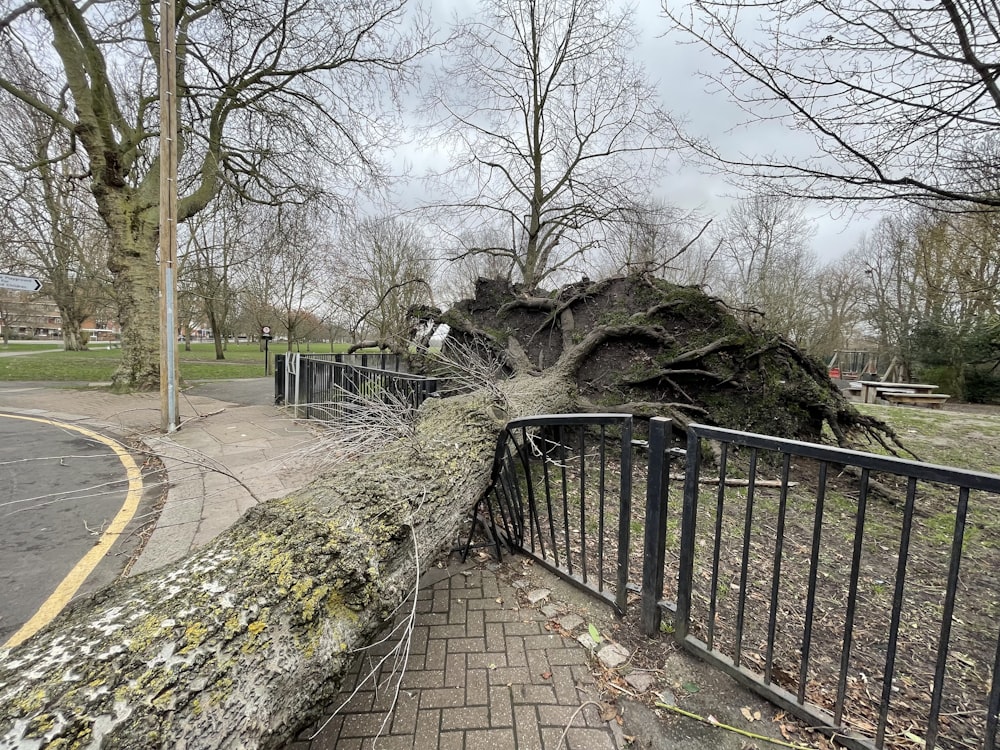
point(366, 369)
point(543, 420)
point(976, 480)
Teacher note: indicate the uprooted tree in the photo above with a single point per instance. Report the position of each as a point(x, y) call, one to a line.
point(244, 641)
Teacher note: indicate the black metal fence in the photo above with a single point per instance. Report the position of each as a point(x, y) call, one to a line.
point(859, 592)
point(562, 492)
point(331, 386)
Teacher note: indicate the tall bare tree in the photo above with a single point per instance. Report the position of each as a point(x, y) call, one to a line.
point(553, 126)
point(384, 268)
point(901, 98)
point(768, 263)
point(218, 247)
point(53, 225)
point(276, 99)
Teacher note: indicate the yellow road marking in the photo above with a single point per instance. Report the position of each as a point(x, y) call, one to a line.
point(72, 582)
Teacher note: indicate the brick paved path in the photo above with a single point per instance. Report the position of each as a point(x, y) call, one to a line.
point(481, 675)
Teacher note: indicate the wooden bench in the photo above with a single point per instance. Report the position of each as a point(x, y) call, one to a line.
point(929, 400)
point(871, 390)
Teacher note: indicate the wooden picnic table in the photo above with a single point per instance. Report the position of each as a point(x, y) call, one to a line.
point(873, 389)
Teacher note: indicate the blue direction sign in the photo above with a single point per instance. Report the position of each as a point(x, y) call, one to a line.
point(20, 283)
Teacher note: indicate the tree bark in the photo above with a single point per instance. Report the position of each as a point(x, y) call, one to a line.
point(240, 644)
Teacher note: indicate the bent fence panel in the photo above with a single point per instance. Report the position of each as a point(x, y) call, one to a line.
point(858, 591)
point(562, 493)
point(335, 387)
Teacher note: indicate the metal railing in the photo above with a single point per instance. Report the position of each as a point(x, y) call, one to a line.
point(847, 590)
point(853, 590)
point(562, 493)
point(329, 386)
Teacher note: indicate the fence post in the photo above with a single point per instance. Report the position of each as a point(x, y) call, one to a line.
point(689, 516)
point(279, 378)
point(654, 545)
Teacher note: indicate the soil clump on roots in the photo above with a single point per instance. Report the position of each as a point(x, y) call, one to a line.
point(643, 345)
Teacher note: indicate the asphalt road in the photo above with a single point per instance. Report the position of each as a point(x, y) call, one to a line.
point(65, 496)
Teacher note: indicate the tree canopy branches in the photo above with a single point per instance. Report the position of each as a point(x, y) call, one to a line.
point(901, 99)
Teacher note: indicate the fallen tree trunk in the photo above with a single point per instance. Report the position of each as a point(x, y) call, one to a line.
point(239, 644)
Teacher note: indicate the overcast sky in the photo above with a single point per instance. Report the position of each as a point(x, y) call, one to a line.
point(676, 67)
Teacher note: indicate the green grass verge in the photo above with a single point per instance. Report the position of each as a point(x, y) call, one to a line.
point(967, 440)
point(97, 365)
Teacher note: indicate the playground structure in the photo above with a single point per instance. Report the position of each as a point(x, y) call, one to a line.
point(853, 364)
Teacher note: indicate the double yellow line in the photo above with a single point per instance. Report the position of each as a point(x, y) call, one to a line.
point(72, 582)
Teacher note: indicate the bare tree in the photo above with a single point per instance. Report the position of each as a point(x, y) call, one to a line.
point(53, 225)
point(901, 98)
point(281, 281)
point(384, 269)
point(840, 299)
point(277, 100)
point(655, 237)
point(553, 127)
point(768, 264)
point(219, 244)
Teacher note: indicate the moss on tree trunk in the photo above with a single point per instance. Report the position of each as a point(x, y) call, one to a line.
point(240, 644)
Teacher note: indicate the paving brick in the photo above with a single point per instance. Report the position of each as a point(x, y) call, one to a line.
point(476, 687)
point(526, 728)
point(498, 615)
point(434, 618)
point(522, 628)
point(391, 742)
point(565, 685)
point(489, 739)
point(483, 661)
point(428, 729)
point(494, 636)
point(404, 718)
point(574, 656)
point(516, 656)
point(441, 601)
point(418, 639)
point(361, 725)
point(475, 623)
point(534, 694)
point(457, 612)
point(326, 735)
point(541, 642)
point(538, 665)
point(462, 645)
point(437, 651)
point(442, 697)
point(451, 741)
point(454, 670)
point(465, 717)
point(552, 715)
point(585, 739)
point(447, 631)
point(509, 675)
point(433, 678)
point(501, 706)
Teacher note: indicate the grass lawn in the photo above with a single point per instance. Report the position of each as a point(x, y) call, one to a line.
point(97, 365)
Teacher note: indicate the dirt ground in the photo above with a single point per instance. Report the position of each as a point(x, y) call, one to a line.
point(732, 601)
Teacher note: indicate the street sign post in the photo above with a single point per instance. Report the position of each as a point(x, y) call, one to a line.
point(20, 283)
point(265, 334)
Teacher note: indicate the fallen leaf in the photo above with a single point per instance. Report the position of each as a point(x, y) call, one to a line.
point(690, 687)
point(747, 713)
point(712, 720)
point(499, 600)
point(756, 715)
point(492, 666)
point(608, 712)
